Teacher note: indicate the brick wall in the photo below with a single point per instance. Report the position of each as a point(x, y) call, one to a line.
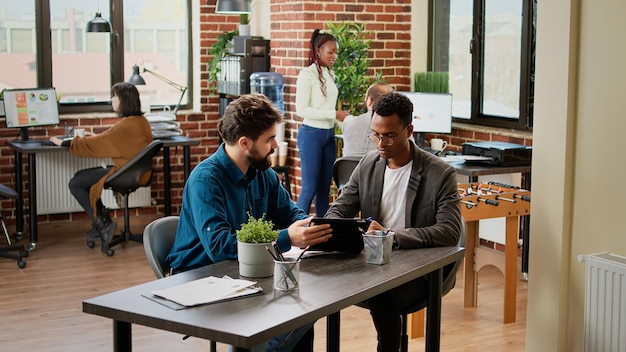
point(292, 23)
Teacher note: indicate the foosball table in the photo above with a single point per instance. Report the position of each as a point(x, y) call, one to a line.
point(484, 201)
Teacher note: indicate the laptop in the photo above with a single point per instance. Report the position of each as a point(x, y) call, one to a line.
point(347, 235)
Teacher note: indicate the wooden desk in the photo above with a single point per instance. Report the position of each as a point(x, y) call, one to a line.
point(327, 284)
point(32, 149)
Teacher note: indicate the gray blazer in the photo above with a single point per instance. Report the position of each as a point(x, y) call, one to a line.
point(433, 213)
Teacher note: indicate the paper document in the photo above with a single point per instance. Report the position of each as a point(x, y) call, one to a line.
point(294, 252)
point(208, 290)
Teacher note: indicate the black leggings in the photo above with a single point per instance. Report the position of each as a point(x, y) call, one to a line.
point(82, 182)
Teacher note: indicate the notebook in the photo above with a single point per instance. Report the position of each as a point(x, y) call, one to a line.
point(347, 235)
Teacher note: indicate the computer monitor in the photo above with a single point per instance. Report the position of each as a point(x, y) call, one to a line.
point(30, 107)
point(432, 112)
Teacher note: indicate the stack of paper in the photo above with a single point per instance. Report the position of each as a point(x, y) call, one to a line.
point(208, 290)
point(163, 124)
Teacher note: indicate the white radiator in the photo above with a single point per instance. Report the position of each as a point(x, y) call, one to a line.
point(605, 302)
point(54, 171)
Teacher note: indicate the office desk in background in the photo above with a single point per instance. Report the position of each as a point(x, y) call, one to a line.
point(328, 284)
point(32, 149)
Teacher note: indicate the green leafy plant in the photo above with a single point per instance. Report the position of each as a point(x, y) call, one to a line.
point(431, 82)
point(244, 18)
point(257, 231)
point(223, 44)
point(352, 63)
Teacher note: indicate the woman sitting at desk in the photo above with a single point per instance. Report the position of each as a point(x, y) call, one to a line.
point(121, 143)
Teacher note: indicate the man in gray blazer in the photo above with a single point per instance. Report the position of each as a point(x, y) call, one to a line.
point(408, 191)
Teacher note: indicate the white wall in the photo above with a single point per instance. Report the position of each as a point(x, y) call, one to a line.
point(577, 205)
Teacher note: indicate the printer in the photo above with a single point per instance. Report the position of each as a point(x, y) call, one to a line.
point(499, 153)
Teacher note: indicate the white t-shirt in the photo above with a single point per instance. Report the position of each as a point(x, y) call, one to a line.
point(392, 204)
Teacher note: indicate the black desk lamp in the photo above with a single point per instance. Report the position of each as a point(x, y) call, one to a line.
point(137, 80)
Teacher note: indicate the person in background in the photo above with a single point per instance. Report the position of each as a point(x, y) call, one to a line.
point(355, 128)
point(316, 99)
point(121, 143)
point(408, 191)
point(230, 184)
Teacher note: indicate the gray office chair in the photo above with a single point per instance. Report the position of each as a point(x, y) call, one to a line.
point(342, 169)
point(127, 180)
point(449, 280)
point(158, 239)
point(5, 252)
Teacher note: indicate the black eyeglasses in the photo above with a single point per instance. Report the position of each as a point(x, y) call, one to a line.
point(386, 139)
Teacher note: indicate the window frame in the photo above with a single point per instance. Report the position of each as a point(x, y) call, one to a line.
point(44, 55)
point(476, 47)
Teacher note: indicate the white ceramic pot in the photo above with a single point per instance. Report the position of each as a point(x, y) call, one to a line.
point(244, 30)
point(254, 260)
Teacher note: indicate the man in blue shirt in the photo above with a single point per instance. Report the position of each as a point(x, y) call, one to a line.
point(234, 181)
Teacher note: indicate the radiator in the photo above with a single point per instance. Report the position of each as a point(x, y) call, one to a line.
point(605, 303)
point(54, 171)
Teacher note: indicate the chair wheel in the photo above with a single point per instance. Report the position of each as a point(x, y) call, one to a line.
point(110, 252)
point(21, 264)
point(91, 244)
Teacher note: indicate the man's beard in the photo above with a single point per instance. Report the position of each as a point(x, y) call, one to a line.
point(259, 162)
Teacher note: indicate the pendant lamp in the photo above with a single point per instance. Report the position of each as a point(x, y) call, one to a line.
point(232, 6)
point(98, 25)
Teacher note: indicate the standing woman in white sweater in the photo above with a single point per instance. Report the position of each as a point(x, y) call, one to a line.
point(316, 100)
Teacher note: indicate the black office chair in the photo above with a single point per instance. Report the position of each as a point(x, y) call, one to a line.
point(342, 169)
point(158, 239)
point(125, 181)
point(449, 280)
point(6, 192)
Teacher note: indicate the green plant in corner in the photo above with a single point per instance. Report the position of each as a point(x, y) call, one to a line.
point(221, 47)
point(352, 63)
point(257, 231)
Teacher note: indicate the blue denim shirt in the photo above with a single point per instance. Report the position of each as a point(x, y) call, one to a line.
point(216, 201)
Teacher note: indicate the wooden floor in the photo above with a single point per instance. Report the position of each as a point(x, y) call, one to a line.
point(41, 310)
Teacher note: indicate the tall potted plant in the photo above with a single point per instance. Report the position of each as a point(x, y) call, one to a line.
point(252, 240)
point(352, 63)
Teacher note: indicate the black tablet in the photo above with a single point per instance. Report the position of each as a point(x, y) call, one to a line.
point(347, 235)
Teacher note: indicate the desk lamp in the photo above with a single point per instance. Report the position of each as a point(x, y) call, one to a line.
point(137, 80)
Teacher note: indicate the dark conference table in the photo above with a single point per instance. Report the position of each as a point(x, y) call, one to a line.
point(33, 148)
point(328, 284)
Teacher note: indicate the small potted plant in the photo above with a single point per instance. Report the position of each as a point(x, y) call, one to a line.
point(252, 240)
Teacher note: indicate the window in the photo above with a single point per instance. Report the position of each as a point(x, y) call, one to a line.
point(487, 48)
point(155, 34)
